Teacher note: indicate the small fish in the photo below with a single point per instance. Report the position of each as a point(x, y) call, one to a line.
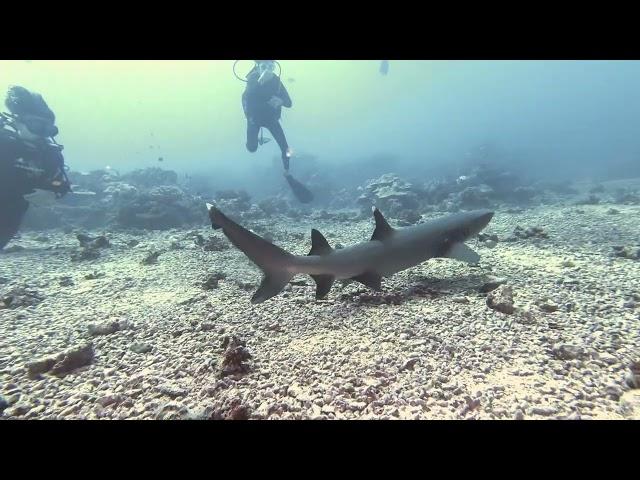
point(151, 147)
point(291, 80)
point(384, 67)
point(160, 159)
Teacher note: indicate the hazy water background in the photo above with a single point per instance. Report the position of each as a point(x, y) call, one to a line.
point(551, 119)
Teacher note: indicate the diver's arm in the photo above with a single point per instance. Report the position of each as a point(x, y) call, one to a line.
point(59, 182)
point(54, 178)
point(284, 95)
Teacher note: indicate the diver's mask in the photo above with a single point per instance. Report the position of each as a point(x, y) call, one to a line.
point(265, 70)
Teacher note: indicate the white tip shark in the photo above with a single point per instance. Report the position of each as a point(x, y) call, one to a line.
point(389, 251)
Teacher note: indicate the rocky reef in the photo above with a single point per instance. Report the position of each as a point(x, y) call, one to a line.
point(483, 187)
point(158, 199)
point(148, 198)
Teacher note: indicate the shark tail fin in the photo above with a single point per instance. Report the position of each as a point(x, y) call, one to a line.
point(274, 262)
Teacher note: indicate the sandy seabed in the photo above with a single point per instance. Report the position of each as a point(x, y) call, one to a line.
point(159, 346)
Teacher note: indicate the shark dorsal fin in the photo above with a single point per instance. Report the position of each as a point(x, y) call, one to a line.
point(383, 229)
point(319, 244)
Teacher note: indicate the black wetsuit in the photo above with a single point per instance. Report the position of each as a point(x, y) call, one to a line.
point(260, 114)
point(24, 167)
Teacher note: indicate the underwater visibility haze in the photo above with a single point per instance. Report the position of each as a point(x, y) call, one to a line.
point(320, 239)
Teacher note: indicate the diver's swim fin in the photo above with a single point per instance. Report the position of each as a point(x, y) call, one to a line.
point(302, 193)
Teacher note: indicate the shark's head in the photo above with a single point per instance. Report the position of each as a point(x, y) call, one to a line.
point(479, 220)
point(466, 225)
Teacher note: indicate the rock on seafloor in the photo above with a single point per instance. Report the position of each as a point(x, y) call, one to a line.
point(64, 362)
point(568, 352)
point(630, 404)
point(104, 328)
point(501, 300)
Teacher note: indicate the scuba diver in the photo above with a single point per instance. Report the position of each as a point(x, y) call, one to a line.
point(262, 102)
point(30, 158)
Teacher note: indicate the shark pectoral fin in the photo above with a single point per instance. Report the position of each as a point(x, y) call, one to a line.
point(272, 284)
point(370, 279)
point(323, 285)
point(461, 252)
point(383, 229)
point(319, 244)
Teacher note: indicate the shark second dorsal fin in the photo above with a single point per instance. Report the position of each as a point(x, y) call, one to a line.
point(383, 229)
point(319, 244)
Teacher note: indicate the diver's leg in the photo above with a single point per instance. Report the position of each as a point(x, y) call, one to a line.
point(276, 130)
point(252, 136)
point(12, 209)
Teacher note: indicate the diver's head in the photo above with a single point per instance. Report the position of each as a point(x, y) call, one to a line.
point(32, 116)
point(265, 70)
point(33, 127)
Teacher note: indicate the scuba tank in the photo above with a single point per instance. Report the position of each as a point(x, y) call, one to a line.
point(57, 181)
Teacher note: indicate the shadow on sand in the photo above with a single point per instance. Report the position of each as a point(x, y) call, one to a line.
point(424, 287)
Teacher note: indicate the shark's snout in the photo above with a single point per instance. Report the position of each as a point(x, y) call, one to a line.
point(481, 220)
point(486, 217)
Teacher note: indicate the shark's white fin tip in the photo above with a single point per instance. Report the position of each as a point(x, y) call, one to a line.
point(209, 206)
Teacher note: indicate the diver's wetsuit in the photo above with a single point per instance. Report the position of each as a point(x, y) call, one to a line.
point(24, 167)
point(260, 114)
